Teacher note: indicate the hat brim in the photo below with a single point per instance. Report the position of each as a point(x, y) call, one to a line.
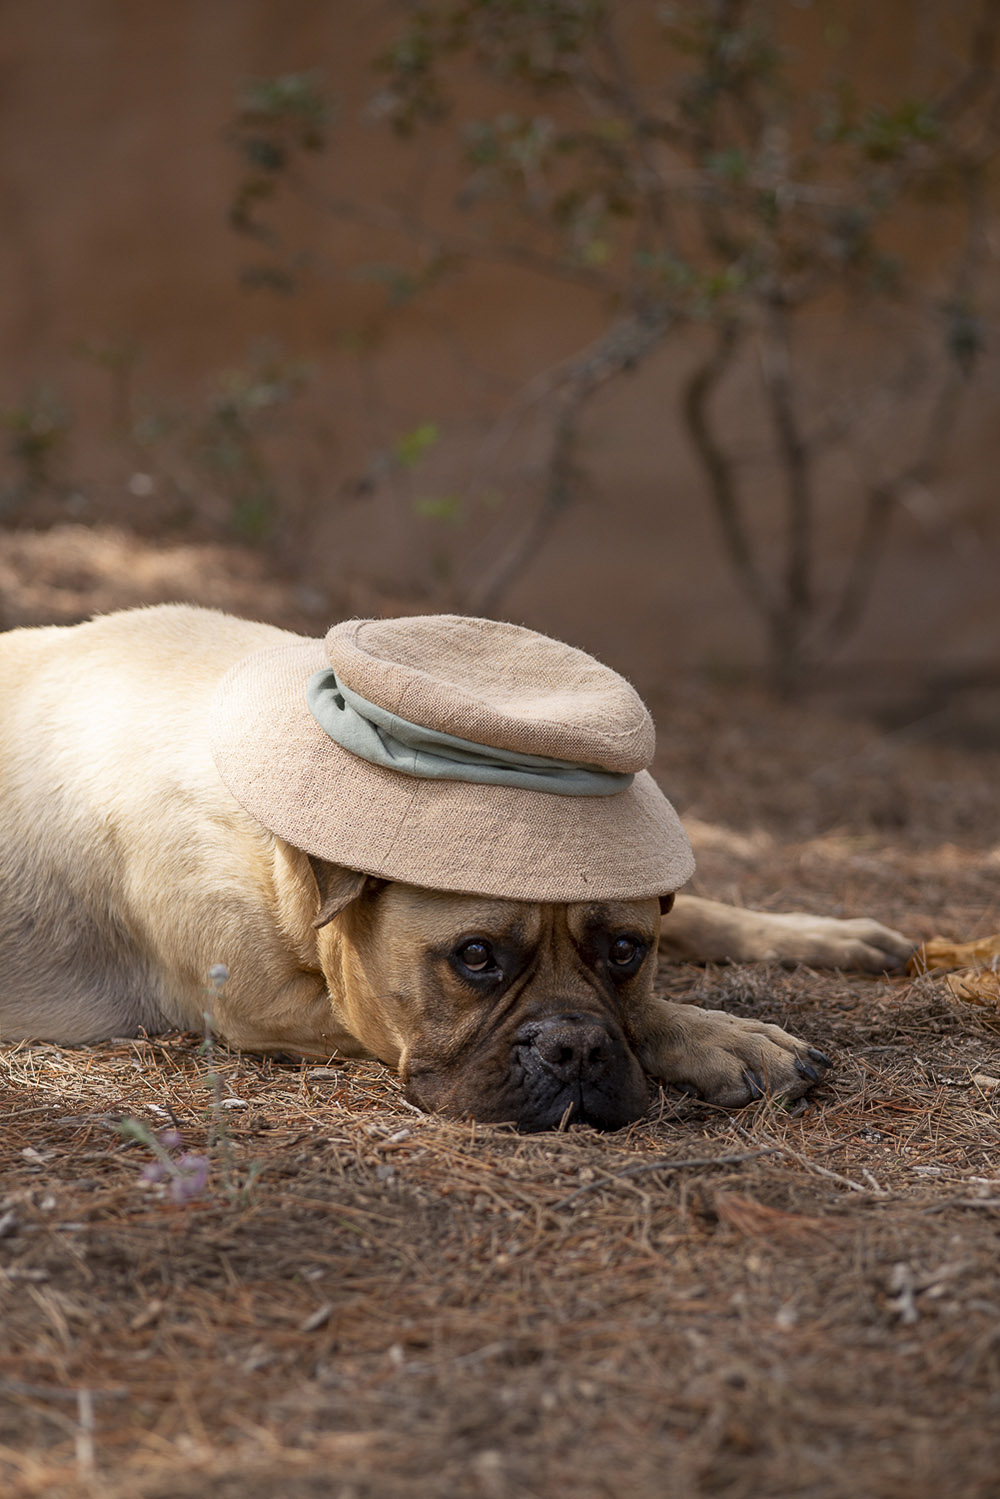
point(445, 835)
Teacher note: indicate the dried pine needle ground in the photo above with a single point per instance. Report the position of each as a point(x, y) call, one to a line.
point(359, 1300)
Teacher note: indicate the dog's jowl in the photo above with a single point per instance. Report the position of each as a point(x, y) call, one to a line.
point(433, 840)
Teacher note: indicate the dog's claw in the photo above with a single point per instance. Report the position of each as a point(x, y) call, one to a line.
point(805, 1070)
point(819, 1057)
point(755, 1085)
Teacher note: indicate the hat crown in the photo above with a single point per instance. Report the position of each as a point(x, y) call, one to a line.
point(495, 684)
point(495, 839)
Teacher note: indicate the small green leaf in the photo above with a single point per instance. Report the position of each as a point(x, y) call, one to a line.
point(731, 166)
point(596, 252)
point(411, 446)
point(444, 507)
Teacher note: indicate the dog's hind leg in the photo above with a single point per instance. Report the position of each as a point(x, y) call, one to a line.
point(707, 931)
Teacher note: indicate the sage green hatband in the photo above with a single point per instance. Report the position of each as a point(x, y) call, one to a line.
point(506, 692)
point(383, 738)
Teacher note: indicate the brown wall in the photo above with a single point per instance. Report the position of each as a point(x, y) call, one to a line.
point(114, 180)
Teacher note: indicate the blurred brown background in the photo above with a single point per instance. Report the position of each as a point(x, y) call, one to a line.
point(128, 321)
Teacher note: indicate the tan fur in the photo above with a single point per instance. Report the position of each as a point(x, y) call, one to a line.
point(706, 931)
point(127, 870)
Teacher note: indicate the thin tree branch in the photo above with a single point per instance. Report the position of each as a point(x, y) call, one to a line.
point(460, 246)
point(979, 74)
point(718, 468)
point(797, 602)
point(572, 385)
point(559, 488)
point(621, 349)
point(624, 93)
point(881, 502)
point(864, 565)
point(884, 496)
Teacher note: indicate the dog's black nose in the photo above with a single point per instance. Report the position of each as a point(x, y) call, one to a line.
point(572, 1046)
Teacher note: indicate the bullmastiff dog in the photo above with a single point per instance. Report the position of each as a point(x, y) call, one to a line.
point(129, 870)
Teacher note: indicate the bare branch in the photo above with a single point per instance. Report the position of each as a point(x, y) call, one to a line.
point(459, 246)
point(883, 496)
point(569, 387)
point(881, 501)
point(864, 564)
point(982, 61)
point(718, 467)
point(794, 459)
point(559, 488)
point(624, 93)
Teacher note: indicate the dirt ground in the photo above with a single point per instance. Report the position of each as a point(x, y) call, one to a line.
point(361, 1300)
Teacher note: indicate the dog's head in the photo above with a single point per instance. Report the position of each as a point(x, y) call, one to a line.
point(498, 1009)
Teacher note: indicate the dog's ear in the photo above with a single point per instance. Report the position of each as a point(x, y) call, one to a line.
point(337, 887)
point(666, 904)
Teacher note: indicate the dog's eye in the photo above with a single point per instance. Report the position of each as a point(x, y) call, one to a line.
point(624, 950)
point(476, 956)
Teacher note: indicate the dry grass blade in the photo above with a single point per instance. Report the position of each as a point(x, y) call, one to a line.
point(664, 1167)
point(757, 1220)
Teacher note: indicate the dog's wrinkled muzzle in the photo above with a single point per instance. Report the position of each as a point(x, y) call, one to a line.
point(572, 1065)
point(576, 1065)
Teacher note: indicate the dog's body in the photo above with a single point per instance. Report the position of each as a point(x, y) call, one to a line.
point(128, 870)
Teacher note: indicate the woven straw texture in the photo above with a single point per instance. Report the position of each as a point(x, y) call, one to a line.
point(496, 684)
point(487, 684)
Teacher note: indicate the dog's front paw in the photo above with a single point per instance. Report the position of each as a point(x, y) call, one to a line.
point(732, 1061)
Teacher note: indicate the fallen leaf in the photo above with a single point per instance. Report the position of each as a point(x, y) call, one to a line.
point(979, 986)
point(941, 952)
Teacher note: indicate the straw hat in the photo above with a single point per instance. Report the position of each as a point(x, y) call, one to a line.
point(471, 691)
